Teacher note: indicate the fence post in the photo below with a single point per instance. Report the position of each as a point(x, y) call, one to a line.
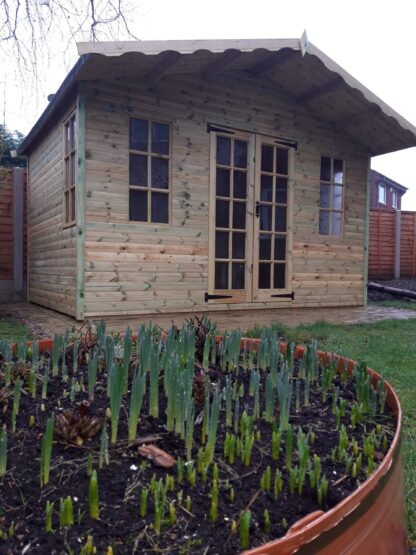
point(397, 238)
point(18, 223)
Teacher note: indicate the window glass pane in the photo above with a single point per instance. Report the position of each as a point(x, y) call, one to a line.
point(265, 217)
point(160, 208)
point(223, 151)
point(266, 188)
point(73, 133)
point(237, 275)
point(73, 169)
point(240, 184)
point(221, 244)
point(265, 246)
point(336, 223)
point(72, 194)
point(337, 197)
point(239, 245)
point(282, 161)
point(264, 276)
point(281, 190)
point(266, 158)
point(138, 205)
point(67, 177)
point(223, 182)
point(279, 275)
point(280, 247)
point(324, 197)
point(160, 173)
point(324, 222)
point(67, 138)
point(222, 218)
point(240, 154)
point(382, 194)
point(221, 275)
point(325, 168)
point(138, 170)
point(338, 171)
point(239, 215)
point(160, 138)
point(66, 208)
point(138, 134)
point(280, 218)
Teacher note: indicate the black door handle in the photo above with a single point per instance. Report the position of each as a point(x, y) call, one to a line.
point(257, 209)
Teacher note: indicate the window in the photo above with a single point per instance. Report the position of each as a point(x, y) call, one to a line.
point(394, 196)
point(331, 200)
point(69, 169)
point(381, 194)
point(149, 171)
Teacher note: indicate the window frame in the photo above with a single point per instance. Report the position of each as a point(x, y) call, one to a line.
point(381, 187)
point(330, 208)
point(149, 155)
point(395, 199)
point(69, 179)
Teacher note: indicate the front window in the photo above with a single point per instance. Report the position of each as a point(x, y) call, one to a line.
point(331, 198)
point(381, 194)
point(149, 171)
point(69, 169)
point(394, 196)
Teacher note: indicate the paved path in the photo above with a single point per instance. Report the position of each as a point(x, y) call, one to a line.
point(45, 322)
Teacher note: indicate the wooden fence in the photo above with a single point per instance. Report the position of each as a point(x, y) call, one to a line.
point(392, 244)
point(13, 233)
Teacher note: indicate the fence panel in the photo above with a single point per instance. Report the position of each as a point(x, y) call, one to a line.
point(381, 244)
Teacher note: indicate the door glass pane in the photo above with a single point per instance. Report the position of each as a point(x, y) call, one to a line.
point(280, 247)
point(160, 211)
point(221, 244)
point(239, 215)
point(337, 197)
point(336, 223)
point(266, 188)
point(138, 170)
point(325, 168)
point(67, 218)
point(160, 138)
point(240, 154)
point(221, 275)
point(265, 247)
point(72, 192)
point(324, 222)
point(338, 171)
point(281, 190)
point(240, 184)
point(73, 133)
point(67, 179)
point(138, 205)
point(67, 138)
point(239, 245)
point(222, 218)
point(279, 272)
point(324, 198)
point(237, 275)
point(138, 134)
point(264, 276)
point(160, 173)
point(72, 169)
point(223, 151)
point(266, 158)
point(282, 161)
point(265, 217)
point(280, 218)
point(223, 182)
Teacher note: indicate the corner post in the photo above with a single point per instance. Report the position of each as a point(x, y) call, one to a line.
point(18, 231)
point(80, 200)
point(397, 241)
point(366, 229)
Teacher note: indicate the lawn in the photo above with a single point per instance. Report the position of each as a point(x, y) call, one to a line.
point(389, 347)
point(11, 329)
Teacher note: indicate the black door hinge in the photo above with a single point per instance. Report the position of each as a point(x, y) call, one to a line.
point(212, 297)
point(286, 295)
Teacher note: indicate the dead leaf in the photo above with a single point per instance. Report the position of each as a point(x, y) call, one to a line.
point(157, 456)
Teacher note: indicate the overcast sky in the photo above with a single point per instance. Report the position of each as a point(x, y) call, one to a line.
point(374, 40)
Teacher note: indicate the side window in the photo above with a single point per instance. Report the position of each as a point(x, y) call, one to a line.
point(381, 194)
point(331, 198)
point(69, 169)
point(149, 171)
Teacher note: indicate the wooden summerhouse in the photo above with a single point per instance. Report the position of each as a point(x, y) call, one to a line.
point(203, 176)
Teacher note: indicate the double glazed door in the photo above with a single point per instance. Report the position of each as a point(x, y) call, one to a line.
point(250, 207)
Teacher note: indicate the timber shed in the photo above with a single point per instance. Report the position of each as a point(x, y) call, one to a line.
point(204, 176)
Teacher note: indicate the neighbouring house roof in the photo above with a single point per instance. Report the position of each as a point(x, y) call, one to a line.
point(379, 177)
point(293, 66)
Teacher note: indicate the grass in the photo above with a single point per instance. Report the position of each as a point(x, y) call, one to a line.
point(389, 347)
point(12, 330)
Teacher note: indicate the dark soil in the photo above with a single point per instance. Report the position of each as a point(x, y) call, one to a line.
point(22, 501)
point(378, 296)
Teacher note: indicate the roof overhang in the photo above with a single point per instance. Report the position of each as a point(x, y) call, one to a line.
point(293, 66)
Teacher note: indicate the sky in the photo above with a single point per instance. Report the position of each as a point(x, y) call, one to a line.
point(371, 39)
